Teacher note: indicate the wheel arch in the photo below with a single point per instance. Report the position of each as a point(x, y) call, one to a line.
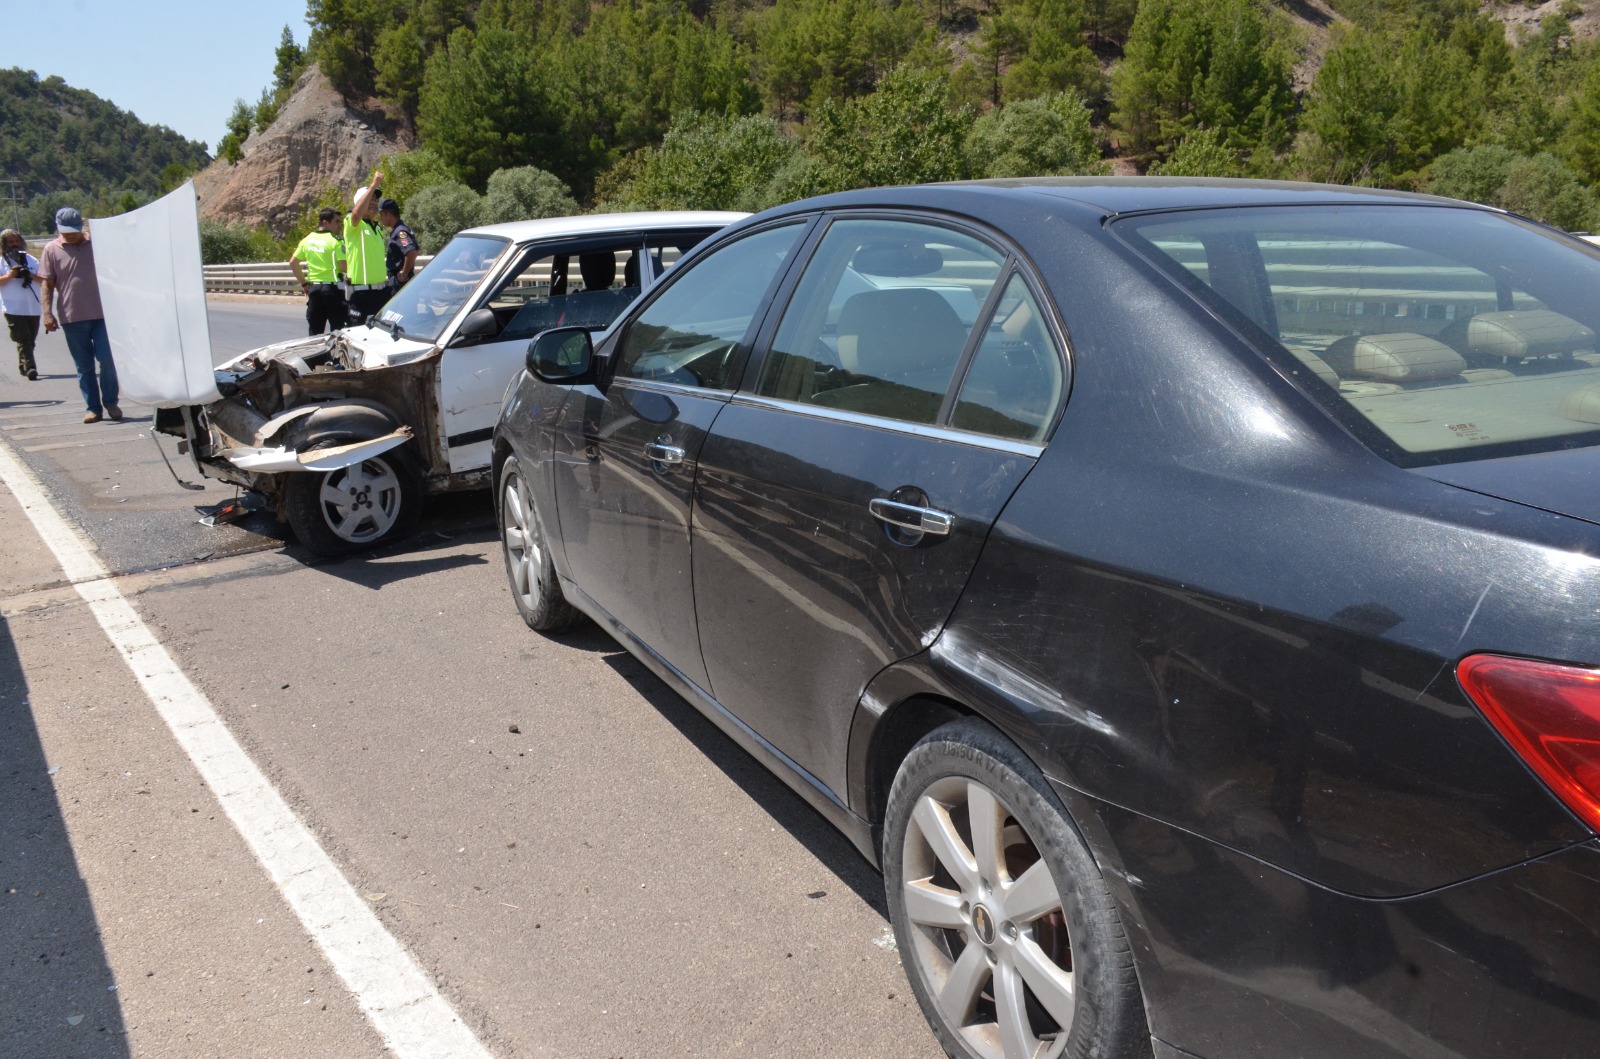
point(354, 419)
point(884, 739)
point(907, 701)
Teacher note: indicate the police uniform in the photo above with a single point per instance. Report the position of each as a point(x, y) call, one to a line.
point(325, 307)
point(364, 250)
point(401, 242)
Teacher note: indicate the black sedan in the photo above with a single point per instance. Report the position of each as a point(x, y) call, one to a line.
point(1187, 592)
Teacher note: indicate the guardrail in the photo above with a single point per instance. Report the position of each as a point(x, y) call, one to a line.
point(267, 277)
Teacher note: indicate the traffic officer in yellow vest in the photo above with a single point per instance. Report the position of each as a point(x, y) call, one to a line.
point(365, 248)
point(323, 253)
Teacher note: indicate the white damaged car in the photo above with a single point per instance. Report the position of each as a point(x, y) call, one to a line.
point(345, 433)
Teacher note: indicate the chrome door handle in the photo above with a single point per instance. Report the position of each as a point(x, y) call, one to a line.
point(910, 517)
point(660, 452)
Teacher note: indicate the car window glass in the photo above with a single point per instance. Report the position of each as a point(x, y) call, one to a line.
point(431, 300)
point(569, 288)
point(880, 318)
point(1014, 381)
point(664, 253)
point(1438, 334)
point(691, 333)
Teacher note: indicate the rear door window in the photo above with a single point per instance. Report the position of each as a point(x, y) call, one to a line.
point(917, 323)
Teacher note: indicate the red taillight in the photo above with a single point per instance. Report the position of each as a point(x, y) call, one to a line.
point(1550, 715)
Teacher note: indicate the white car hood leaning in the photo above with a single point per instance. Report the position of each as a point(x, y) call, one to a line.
point(152, 289)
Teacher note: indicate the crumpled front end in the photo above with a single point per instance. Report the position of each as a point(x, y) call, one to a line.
point(307, 405)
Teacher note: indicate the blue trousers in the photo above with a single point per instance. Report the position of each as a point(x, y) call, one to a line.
point(91, 347)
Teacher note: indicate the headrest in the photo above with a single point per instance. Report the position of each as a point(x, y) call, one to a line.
point(598, 268)
point(898, 330)
point(1398, 357)
point(1527, 333)
point(897, 259)
point(1582, 405)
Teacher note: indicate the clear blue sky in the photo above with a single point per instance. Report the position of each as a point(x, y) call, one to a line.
point(178, 63)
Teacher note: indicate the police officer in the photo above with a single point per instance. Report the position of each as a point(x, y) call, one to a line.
point(400, 254)
point(323, 253)
point(364, 249)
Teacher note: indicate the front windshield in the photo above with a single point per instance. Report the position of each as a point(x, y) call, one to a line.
point(431, 300)
point(1437, 334)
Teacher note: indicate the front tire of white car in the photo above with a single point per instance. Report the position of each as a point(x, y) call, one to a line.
point(365, 505)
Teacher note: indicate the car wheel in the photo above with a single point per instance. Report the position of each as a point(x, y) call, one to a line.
point(534, 587)
point(1011, 941)
point(361, 506)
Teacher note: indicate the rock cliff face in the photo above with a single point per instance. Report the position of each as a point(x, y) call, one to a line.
point(317, 140)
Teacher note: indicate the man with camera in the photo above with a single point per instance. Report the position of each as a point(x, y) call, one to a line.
point(20, 298)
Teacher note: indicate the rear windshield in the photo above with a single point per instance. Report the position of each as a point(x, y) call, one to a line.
point(1437, 334)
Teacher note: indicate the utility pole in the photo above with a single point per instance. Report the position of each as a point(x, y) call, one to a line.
point(16, 206)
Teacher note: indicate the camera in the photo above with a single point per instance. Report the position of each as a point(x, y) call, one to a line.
point(19, 259)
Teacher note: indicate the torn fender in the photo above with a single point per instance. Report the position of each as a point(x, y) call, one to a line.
point(280, 459)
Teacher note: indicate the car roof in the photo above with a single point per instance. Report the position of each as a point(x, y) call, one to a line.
point(603, 223)
point(1117, 195)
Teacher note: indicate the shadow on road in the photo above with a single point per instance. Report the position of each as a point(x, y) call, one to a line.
point(56, 987)
point(448, 522)
point(787, 809)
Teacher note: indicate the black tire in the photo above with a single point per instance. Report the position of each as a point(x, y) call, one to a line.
point(534, 587)
point(1021, 958)
point(355, 508)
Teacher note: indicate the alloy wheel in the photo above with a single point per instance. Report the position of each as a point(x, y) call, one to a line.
point(989, 935)
point(519, 529)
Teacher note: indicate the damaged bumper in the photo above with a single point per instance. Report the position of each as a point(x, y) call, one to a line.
point(309, 405)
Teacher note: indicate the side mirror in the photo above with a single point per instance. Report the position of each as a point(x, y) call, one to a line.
point(561, 354)
point(479, 324)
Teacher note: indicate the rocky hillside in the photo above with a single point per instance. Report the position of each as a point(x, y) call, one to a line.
point(317, 140)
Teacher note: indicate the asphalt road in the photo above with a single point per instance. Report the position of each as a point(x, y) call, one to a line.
point(581, 863)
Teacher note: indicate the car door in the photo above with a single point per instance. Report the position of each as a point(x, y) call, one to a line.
point(843, 500)
point(584, 282)
point(626, 454)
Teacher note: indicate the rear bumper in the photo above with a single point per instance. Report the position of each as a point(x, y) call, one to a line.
point(1238, 959)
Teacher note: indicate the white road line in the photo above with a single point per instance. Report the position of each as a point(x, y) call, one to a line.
point(406, 1009)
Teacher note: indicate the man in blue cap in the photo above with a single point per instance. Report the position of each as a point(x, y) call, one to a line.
point(68, 287)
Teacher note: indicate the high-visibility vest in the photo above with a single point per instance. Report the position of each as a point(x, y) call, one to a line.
point(321, 252)
point(364, 248)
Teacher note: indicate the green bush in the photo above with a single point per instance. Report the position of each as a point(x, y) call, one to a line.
point(437, 213)
point(226, 243)
point(523, 193)
point(1046, 136)
point(1202, 153)
point(904, 133)
point(1476, 174)
point(707, 162)
point(1540, 186)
